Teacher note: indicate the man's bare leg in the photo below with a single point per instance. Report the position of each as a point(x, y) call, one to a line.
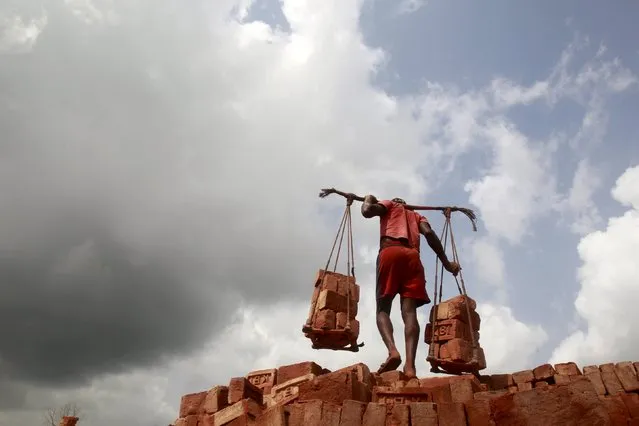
point(385, 327)
point(411, 334)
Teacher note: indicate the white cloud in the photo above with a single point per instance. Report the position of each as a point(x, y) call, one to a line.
point(583, 213)
point(509, 345)
point(608, 278)
point(18, 35)
point(489, 264)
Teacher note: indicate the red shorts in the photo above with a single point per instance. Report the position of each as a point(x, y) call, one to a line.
point(400, 271)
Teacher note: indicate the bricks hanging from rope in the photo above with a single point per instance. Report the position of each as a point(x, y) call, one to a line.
point(453, 329)
point(332, 322)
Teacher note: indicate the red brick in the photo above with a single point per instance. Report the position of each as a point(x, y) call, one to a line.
point(446, 330)
point(341, 319)
point(292, 371)
point(392, 397)
point(331, 414)
point(501, 381)
point(330, 281)
point(191, 403)
point(352, 413)
point(364, 374)
point(561, 379)
point(455, 308)
point(332, 387)
point(574, 404)
point(69, 421)
point(240, 388)
point(413, 383)
point(243, 410)
point(478, 413)
point(567, 369)
point(272, 417)
point(451, 414)
point(191, 420)
point(617, 410)
point(355, 327)
point(541, 384)
point(355, 292)
point(594, 375)
point(627, 376)
point(632, 403)
point(325, 319)
point(486, 395)
point(526, 386)
point(390, 377)
point(523, 376)
point(544, 372)
point(313, 413)
point(633, 422)
point(294, 414)
point(463, 389)
point(610, 379)
point(423, 413)
point(375, 415)
point(263, 379)
point(331, 300)
point(216, 399)
point(398, 416)
point(458, 350)
point(243, 420)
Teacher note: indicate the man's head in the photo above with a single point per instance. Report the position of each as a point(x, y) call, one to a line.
point(399, 200)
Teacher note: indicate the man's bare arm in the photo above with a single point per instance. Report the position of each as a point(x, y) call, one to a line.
point(436, 245)
point(371, 208)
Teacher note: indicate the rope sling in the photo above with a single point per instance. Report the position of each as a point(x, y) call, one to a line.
point(345, 228)
point(447, 232)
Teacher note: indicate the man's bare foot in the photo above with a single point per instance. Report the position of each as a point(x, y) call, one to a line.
point(393, 361)
point(410, 372)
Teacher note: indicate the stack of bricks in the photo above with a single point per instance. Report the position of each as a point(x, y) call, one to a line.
point(452, 341)
point(307, 395)
point(335, 298)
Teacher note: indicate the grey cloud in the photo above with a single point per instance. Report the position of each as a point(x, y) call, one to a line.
point(133, 217)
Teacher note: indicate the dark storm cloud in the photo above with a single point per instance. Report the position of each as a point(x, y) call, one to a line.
point(130, 219)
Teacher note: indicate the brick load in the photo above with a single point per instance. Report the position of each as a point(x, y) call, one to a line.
point(305, 394)
point(453, 336)
point(332, 322)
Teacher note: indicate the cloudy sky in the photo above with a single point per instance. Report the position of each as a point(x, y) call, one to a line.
point(159, 221)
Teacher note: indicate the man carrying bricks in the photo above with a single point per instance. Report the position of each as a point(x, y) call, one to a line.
point(400, 271)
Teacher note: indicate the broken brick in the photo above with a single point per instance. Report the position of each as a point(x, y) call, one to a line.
point(240, 388)
point(216, 399)
point(390, 377)
point(544, 372)
point(398, 416)
point(423, 413)
point(627, 376)
point(451, 414)
point(610, 379)
point(364, 374)
point(567, 369)
point(352, 413)
point(523, 376)
point(191, 403)
point(374, 415)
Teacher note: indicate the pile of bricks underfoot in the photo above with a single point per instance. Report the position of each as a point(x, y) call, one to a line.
point(307, 395)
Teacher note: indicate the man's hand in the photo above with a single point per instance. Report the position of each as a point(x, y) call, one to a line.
point(453, 268)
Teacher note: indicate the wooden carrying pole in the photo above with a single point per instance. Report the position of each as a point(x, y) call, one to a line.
point(468, 212)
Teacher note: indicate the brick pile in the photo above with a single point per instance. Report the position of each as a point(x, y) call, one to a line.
point(305, 394)
point(455, 335)
point(332, 319)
